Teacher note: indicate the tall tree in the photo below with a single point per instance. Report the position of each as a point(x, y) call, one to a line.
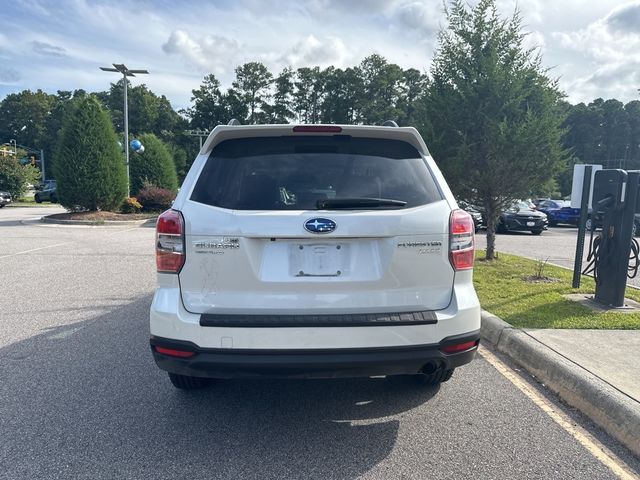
point(23, 117)
point(381, 89)
point(209, 105)
point(252, 84)
point(280, 111)
point(495, 115)
point(89, 166)
point(308, 95)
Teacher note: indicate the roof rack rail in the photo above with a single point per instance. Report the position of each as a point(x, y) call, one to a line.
point(234, 122)
point(390, 123)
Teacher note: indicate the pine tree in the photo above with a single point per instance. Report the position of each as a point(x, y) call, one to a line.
point(493, 118)
point(89, 166)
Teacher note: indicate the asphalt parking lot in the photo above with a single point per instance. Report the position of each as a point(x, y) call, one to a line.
point(82, 398)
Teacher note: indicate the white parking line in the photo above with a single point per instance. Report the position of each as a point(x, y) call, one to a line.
point(588, 441)
point(34, 250)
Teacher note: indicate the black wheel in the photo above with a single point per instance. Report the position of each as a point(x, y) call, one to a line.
point(501, 227)
point(635, 230)
point(184, 382)
point(37, 198)
point(53, 199)
point(537, 231)
point(439, 376)
point(553, 223)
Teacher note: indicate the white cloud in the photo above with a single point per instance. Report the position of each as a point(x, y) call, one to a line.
point(607, 55)
point(420, 16)
point(207, 53)
point(311, 51)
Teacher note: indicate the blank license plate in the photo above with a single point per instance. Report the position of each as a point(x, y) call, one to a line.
point(317, 260)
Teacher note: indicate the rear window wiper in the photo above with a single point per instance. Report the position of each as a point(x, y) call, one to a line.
point(357, 203)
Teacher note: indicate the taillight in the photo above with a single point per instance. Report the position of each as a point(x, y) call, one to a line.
point(170, 242)
point(461, 241)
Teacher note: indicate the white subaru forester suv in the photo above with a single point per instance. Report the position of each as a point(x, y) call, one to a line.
point(314, 251)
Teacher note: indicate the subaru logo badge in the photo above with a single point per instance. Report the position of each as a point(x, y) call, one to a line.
point(320, 225)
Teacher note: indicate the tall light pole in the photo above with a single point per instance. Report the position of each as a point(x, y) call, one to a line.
point(121, 68)
point(15, 147)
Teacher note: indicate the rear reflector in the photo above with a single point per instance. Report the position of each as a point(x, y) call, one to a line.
point(317, 128)
point(170, 242)
point(174, 353)
point(459, 347)
point(461, 240)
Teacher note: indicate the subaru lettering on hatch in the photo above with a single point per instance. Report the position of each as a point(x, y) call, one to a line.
point(320, 225)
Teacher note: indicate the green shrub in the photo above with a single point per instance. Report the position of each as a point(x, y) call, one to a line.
point(130, 205)
point(14, 177)
point(154, 165)
point(155, 199)
point(89, 166)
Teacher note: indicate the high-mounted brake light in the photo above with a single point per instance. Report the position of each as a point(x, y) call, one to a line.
point(317, 128)
point(170, 242)
point(461, 241)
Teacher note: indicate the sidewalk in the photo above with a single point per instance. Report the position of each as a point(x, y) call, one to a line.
point(595, 371)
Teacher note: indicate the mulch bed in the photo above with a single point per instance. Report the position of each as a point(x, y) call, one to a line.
point(102, 216)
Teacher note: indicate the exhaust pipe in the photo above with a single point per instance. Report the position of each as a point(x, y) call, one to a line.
point(430, 367)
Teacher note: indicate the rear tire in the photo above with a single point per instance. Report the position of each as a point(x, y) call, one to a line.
point(184, 382)
point(435, 378)
point(536, 232)
point(38, 199)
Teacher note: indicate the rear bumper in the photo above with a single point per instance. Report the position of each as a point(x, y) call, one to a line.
point(322, 363)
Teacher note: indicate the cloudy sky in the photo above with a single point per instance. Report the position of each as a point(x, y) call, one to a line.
point(593, 47)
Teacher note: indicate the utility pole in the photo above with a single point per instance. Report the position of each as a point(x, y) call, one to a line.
point(121, 68)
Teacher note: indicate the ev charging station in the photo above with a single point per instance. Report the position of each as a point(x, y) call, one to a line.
point(613, 198)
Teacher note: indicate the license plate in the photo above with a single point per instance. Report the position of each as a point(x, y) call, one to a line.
point(530, 224)
point(318, 259)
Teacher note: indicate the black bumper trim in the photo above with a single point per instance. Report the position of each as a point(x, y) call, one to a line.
point(316, 363)
point(348, 320)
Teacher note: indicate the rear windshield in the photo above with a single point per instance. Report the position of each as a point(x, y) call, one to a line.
point(296, 172)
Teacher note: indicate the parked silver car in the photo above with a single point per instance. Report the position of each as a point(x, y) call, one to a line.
point(5, 199)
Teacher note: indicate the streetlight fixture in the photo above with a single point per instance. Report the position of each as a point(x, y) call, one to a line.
point(121, 68)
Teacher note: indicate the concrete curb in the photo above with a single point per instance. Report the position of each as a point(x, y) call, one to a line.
point(56, 221)
point(612, 410)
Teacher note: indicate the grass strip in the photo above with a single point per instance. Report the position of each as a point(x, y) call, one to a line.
point(506, 288)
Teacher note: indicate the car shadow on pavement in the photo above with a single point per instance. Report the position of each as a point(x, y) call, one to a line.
point(86, 400)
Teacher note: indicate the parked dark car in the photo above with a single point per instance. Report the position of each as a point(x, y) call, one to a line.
point(5, 199)
point(47, 193)
point(478, 220)
point(560, 212)
point(522, 217)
